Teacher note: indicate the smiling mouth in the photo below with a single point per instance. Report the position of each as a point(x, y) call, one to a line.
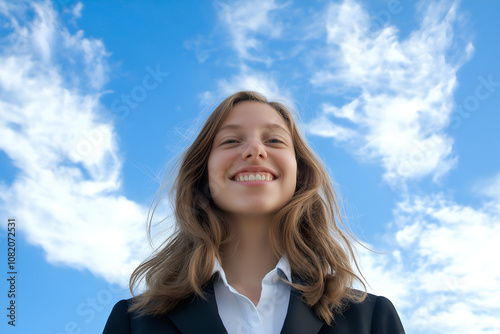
point(254, 177)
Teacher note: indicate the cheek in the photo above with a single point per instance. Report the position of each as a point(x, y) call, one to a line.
point(293, 174)
point(216, 174)
point(291, 164)
point(290, 168)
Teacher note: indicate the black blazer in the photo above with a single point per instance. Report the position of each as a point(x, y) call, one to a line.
point(375, 315)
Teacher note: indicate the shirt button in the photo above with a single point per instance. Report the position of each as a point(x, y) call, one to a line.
point(276, 279)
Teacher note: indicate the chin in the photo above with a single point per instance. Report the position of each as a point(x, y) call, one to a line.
point(250, 211)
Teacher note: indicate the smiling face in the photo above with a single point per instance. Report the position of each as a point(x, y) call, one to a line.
point(253, 142)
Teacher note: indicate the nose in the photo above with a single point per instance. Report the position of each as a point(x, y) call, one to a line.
point(254, 149)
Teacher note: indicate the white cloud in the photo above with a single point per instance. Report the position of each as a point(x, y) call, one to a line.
point(322, 126)
point(246, 20)
point(489, 187)
point(77, 10)
point(402, 89)
point(66, 193)
point(442, 273)
point(201, 46)
point(250, 24)
point(248, 79)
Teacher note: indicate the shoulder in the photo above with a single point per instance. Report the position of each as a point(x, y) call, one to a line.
point(375, 315)
point(119, 319)
point(122, 321)
point(372, 304)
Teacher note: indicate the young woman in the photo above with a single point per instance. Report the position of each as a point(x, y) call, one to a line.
point(258, 246)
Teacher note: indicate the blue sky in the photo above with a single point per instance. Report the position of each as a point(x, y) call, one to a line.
point(399, 98)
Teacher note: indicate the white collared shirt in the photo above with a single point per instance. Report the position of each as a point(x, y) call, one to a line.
point(240, 316)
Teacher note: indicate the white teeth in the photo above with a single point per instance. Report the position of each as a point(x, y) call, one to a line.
point(256, 177)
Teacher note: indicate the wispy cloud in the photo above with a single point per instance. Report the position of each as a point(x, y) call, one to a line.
point(490, 187)
point(67, 188)
point(248, 79)
point(250, 25)
point(401, 91)
point(201, 46)
point(246, 21)
point(440, 273)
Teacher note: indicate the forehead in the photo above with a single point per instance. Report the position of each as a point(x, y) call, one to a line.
point(254, 114)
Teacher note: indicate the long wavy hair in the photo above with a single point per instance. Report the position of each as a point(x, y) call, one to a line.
point(308, 229)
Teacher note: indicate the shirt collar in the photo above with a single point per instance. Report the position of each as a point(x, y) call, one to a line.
point(283, 266)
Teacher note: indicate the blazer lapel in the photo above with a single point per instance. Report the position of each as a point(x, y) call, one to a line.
point(199, 315)
point(300, 318)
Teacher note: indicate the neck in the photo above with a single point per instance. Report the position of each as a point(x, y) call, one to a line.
point(250, 257)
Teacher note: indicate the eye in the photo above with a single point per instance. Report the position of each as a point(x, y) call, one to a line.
point(229, 141)
point(277, 141)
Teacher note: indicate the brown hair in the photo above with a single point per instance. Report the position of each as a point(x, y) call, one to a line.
point(308, 229)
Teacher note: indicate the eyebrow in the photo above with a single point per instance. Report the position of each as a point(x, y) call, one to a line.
point(266, 126)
